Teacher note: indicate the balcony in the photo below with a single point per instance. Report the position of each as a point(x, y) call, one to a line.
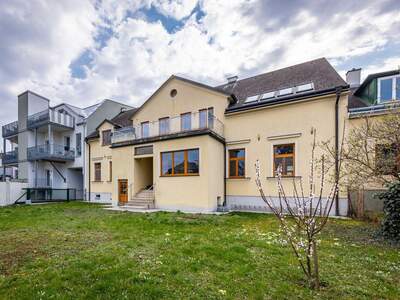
point(50, 116)
point(10, 157)
point(10, 129)
point(51, 152)
point(197, 123)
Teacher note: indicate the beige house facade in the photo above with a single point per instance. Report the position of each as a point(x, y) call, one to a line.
point(193, 147)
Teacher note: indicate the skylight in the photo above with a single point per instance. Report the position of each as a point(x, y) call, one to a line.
point(284, 92)
point(252, 98)
point(268, 95)
point(305, 87)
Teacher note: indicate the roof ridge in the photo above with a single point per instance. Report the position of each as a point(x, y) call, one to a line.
point(277, 70)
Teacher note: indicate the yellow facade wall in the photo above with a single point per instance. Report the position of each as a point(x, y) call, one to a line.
point(258, 131)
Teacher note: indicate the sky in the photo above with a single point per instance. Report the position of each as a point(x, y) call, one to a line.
point(83, 51)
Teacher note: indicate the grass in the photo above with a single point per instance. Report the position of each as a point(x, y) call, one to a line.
point(77, 250)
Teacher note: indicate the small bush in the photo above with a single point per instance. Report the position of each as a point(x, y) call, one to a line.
point(391, 208)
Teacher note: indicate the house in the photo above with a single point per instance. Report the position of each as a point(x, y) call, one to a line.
point(192, 147)
point(46, 142)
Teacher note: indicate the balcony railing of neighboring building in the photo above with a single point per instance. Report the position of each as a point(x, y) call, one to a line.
point(174, 125)
point(51, 152)
point(10, 129)
point(10, 157)
point(50, 116)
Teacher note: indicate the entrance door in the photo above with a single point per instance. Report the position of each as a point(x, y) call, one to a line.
point(122, 191)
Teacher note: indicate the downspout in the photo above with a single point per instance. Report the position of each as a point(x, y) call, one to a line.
point(224, 204)
point(338, 92)
point(89, 170)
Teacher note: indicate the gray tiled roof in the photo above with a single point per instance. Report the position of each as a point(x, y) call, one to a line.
point(319, 72)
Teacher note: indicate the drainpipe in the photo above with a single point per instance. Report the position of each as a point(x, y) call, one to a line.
point(224, 175)
point(338, 92)
point(88, 169)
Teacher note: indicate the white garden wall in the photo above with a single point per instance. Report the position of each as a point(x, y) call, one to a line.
point(10, 191)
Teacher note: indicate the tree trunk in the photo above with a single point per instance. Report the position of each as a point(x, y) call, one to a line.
point(316, 267)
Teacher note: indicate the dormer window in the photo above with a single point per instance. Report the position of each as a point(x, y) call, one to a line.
point(388, 88)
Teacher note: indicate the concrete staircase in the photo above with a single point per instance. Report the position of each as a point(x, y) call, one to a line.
point(142, 200)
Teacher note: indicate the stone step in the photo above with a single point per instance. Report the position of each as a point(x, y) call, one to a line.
point(142, 199)
point(138, 205)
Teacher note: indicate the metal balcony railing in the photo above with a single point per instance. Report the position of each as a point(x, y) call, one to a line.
point(52, 152)
point(10, 157)
point(10, 129)
point(175, 125)
point(50, 116)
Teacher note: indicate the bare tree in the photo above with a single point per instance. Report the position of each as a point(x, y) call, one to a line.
point(304, 215)
point(372, 151)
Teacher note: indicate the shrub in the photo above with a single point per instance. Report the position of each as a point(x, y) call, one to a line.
point(391, 208)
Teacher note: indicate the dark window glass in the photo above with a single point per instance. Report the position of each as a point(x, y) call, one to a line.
point(386, 89)
point(186, 121)
point(106, 134)
point(203, 118)
point(193, 161)
point(284, 157)
point(237, 163)
point(164, 126)
point(398, 88)
point(211, 117)
point(145, 129)
point(166, 160)
point(179, 162)
point(78, 144)
point(97, 171)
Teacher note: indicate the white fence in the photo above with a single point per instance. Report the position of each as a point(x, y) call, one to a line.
point(10, 191)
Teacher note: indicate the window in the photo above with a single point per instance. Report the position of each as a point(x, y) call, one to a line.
point(388, 88)
point(180, 163)
point(173, 93)
point(268, 95)
point(106, 135)
point(67, 143)
point(206, 118)
point(163, 125)
point(387, 159)
point(237, 163)
point(203, 118)
point(186, 121)
point(110, 171)
point(78, 141)
point(284, 156)
point(145, 128)
point(252, 98)
point(97, 171)
point(285, 92)
point(305, 87)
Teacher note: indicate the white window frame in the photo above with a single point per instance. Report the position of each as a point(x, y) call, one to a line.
point(394, 96)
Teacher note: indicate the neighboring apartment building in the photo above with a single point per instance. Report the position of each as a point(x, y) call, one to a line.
point(46, 143)
point(193, 147)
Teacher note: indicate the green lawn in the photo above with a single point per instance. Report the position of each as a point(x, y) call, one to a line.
point(77, 250)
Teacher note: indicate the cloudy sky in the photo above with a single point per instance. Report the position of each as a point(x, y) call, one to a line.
point(82, 51)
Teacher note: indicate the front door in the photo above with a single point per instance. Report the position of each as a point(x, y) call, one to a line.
point(122, 191)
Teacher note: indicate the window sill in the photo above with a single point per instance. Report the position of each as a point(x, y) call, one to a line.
point(180, 175)
point(285, 177)
point(97, 181)
point(239, 178)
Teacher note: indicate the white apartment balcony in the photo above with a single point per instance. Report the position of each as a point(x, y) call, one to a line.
point(50, 116)
point(10, 129)
point(51, 152)
point(10, 157)
point(167, 128)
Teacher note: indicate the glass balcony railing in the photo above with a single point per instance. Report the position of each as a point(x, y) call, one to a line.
point(10, 157)
point(50, 116)
point(52, 152)
point(10, 129)
point(195, 122)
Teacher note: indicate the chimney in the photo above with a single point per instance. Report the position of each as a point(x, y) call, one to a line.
point(232, 79)
point(353, 77)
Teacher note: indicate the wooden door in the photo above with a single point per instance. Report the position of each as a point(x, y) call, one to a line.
point(122, 191)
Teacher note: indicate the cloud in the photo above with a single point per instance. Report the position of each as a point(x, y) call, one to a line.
point(123, 52)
